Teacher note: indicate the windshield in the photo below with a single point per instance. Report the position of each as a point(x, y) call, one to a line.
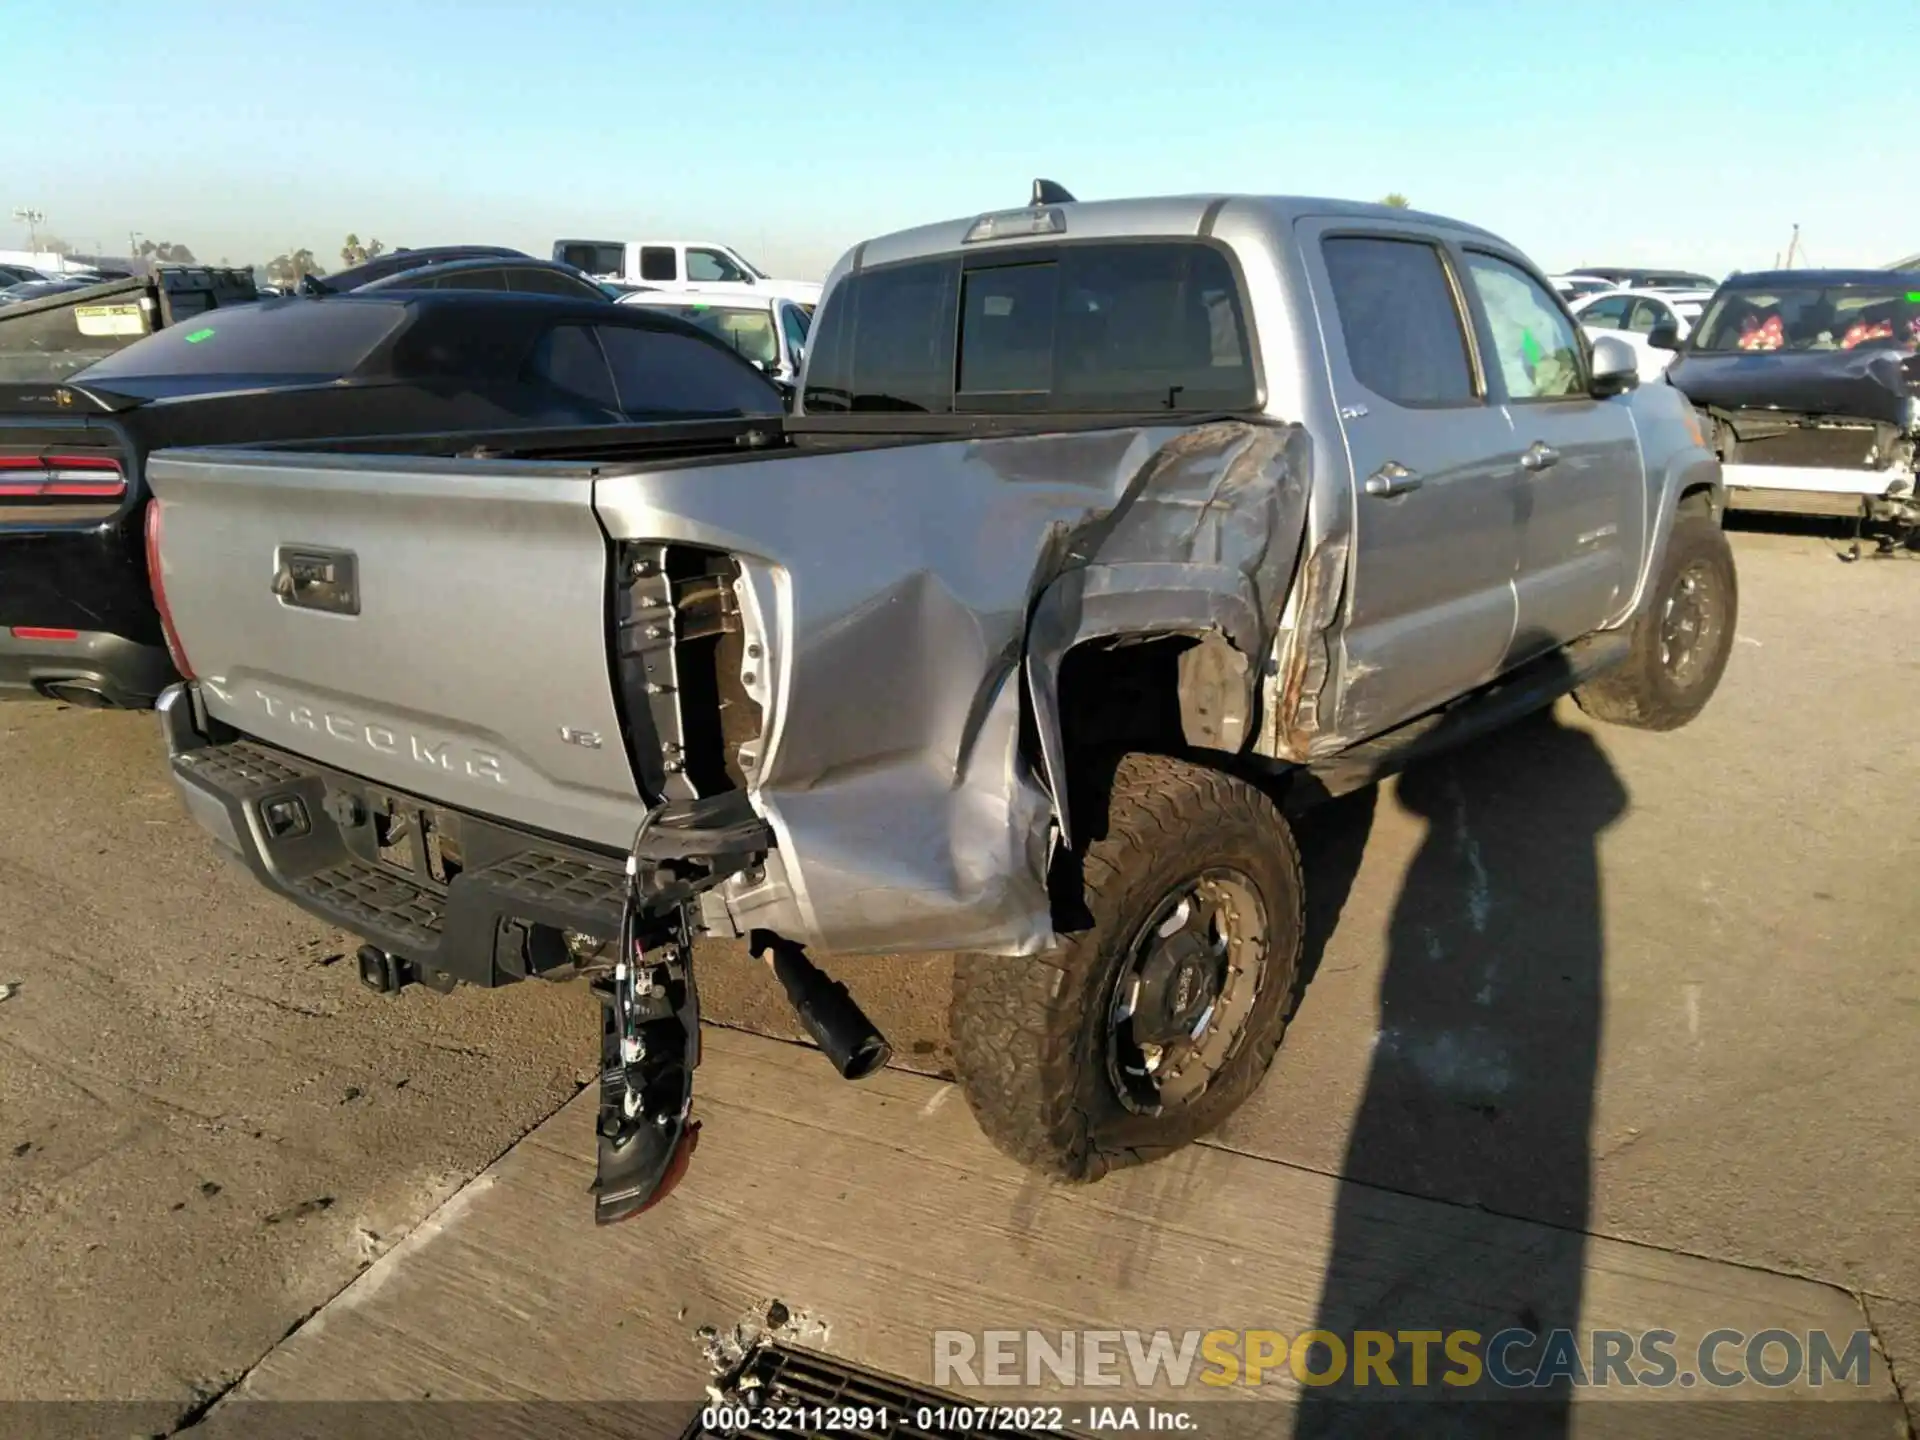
point(752, 269)
point(749, 331)
point(1811, 317)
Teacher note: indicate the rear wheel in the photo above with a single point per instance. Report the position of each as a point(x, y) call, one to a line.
point(1146, 1030)
point(1681, 638)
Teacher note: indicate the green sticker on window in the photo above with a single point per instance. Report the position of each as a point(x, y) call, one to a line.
point(1530, 347)
point(1913, 297)
point(197, 336)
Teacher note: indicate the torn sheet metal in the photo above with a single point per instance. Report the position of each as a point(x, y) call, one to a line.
point(889, 592)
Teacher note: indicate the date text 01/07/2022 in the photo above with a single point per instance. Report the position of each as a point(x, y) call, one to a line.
point(945, 1419)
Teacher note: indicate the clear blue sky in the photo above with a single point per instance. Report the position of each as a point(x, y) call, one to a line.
point(1694, 132)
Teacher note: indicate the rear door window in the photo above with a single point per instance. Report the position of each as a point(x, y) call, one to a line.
point(1400, 320)
point(657, 263)
point(569, 359)
point(663, 374)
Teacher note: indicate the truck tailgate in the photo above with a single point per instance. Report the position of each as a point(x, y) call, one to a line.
point(433, 629)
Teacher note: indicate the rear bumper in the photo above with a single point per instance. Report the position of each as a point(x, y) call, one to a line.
point(91, 668)
point(456, 893)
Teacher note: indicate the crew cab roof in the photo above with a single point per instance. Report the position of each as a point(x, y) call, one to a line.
point(1124, 219)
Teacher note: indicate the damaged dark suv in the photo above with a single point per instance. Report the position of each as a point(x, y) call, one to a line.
point(1103, 534)
point(1807, 380)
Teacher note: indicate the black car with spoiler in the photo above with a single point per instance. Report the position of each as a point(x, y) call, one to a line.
point(77, 618)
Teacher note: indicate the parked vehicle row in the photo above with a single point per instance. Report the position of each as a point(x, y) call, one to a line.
point(1097, 540)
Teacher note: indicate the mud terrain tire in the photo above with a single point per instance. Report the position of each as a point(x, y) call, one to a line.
point(1680, 639)
point(1031, 1036)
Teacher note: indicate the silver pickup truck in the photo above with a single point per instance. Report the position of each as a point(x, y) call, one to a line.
point(1102, 536)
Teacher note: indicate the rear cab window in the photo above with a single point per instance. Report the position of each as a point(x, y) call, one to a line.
point(1400, 319)
point(595, 257)
point(1086, 327)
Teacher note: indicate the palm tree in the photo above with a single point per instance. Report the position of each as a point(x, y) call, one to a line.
point(1397, 201)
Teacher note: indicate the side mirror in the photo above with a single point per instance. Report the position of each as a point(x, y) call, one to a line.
point(1664, 336)
point(1615, 367)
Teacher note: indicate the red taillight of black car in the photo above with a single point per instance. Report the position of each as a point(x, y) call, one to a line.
point(61, 477)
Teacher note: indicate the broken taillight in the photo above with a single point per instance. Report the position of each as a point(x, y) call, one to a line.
point(156, 578)
point(61, 477)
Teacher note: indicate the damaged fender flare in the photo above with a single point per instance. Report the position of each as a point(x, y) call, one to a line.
point(1693, 471)
point(1213, 603)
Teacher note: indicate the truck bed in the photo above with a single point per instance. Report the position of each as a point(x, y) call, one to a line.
point(830, 619)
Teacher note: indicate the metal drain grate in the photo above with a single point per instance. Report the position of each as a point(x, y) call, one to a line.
point(783, 1392)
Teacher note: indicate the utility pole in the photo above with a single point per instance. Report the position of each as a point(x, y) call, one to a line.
point(32, 219)
point(1793, 245)
point(134, 237)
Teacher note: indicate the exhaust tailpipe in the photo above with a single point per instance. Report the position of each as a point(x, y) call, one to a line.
point(832, 1016)
point(77, 693)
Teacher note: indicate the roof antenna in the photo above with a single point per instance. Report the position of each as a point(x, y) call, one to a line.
point(1049, 192)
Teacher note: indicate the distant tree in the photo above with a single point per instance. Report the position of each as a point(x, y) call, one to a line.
point(354, 253)
point(1397, 201)
point(163, 251)
point(288, 270)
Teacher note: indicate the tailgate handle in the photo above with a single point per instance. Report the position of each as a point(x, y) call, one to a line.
point(309, 578)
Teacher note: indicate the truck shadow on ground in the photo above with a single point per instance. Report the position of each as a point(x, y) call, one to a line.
point(1480, 1089)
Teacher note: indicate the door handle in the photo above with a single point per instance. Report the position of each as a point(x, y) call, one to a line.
point(1391, 478)
point(1539, 456)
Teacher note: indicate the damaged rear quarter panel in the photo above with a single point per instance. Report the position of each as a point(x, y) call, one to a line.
point(895, 585)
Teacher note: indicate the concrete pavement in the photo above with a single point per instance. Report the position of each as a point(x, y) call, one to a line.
point(1700, 942)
